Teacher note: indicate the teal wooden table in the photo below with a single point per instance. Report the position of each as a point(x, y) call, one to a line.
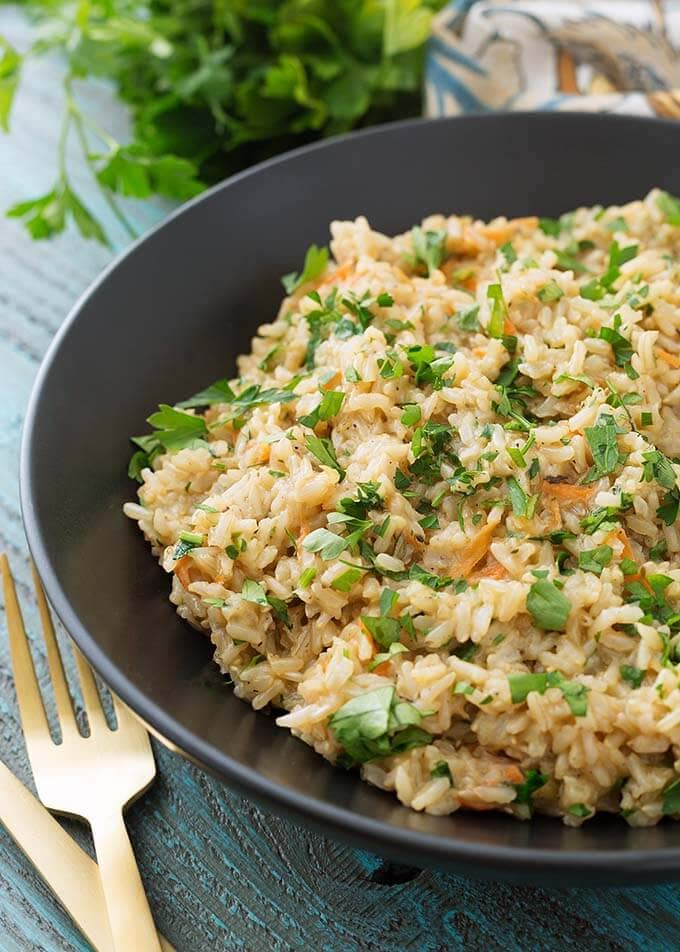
point(221, 874)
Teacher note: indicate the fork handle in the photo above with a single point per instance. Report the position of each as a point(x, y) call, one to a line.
point(132, 926)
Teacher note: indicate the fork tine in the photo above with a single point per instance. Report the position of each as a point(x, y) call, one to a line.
point(91, 699)
point(31, 706)
point(62, 695)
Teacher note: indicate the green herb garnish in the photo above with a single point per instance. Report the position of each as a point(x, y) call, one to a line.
point(375, 725)
point(548, 606)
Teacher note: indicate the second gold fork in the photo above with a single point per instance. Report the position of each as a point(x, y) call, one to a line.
point(93, 778)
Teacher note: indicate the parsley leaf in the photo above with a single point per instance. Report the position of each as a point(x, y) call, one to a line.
point(550, 292)
point(499, 311)
point(579, 809)
point(533, 781)
point(375, 725)
point(634, 676)
point(176, 430)
point(518, 498)
point(574, 693)
point(550, 226)
point(316, 260)
point(429, 247)
point(441, 769)
point(467, 318)
point(670, 206)
point(252, 591)
point(671, 798)
point(659, 467)
point(323, 449)
point(603, 446)
point(328, 544)
point(594, 560)
point(328, 407)
point(548, 606)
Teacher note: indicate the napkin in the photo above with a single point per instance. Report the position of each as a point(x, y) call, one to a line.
point(578, 55)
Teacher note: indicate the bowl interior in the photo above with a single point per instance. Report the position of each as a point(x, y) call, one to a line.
point(170, 316)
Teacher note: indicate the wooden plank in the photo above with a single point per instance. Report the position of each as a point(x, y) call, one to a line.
point(221, 874)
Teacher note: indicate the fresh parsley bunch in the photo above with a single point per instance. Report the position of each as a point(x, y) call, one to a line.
point(213, 86)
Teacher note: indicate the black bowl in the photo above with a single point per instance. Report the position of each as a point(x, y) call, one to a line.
point(169, 316)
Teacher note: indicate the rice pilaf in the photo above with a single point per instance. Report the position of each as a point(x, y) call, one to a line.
point(435, 520)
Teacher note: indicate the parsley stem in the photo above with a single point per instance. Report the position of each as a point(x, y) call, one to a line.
point(79, 122)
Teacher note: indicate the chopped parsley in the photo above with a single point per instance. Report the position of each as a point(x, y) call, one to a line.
point(249, 398)
point(499, 311)
point(606, 517)
point(652, 600)
point(594, 560)
point(411, 414)
point(187, 542)
point(574, 693)
point(442, 769)
point(375, 725)
point(659, 551)
point(315, 263)
point(632, 675)
point(671, 798)
point(509, 253)
point(345, 581)
point(324, 451)
point(328, 544)
point(579, 809)
point(621, 346)
point(670, 207)
point(604, 448)
point(329, 406)
point(307, 577)
point(467, 318)
point(174, 430)
point(550, 292)
point(659, 467)
point(550, 226)
point(533, 781)
point(253, 592)
point(394, 649)
point(429, 248)
point(428, 367)
point(548, 606)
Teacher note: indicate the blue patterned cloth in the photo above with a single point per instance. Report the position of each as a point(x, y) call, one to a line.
point(595, 55)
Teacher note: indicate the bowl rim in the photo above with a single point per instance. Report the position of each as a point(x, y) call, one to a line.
point(622, 866)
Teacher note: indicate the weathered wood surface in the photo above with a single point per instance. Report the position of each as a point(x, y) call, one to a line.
point(221, 874)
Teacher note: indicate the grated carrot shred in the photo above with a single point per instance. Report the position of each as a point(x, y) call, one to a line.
point(673, 360)
point(568, 493)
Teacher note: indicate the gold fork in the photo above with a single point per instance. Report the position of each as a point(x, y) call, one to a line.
point(93, 778)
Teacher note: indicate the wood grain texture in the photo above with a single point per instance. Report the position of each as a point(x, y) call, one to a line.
point(220, 873)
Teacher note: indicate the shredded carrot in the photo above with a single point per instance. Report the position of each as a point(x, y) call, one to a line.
point(450, 267)
point(478, 805)
point(383, 668)
point(492, 569)
point(513, 774)
point(478, 351)
point(499, 234)
point(673, 360)
point(183, 571)
point(555, 514)
point(329, 384)
point(620, 534)
point(344, 271)
point(509, 328)
point(568, 493)
point(628, 553)
point(473, 552)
